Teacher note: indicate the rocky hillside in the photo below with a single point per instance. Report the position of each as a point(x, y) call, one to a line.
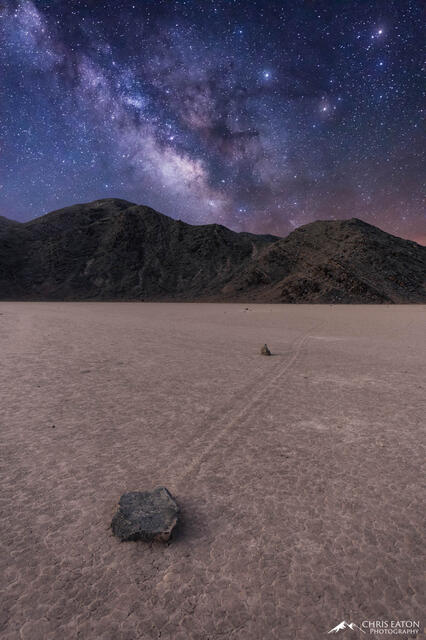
point(115, 250)
point(347, 261)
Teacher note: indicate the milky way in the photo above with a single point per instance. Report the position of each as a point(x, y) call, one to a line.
point(258, 115)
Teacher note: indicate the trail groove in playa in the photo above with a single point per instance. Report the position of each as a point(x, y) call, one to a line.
point(260, 400)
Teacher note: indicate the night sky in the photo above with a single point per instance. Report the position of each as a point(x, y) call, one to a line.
point(259, 115)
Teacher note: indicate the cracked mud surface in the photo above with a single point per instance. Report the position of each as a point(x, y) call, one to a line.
point(299, 476)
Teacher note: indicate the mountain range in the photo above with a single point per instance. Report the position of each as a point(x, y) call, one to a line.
point(115, 250)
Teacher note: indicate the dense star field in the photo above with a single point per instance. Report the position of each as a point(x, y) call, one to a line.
point(260, 115)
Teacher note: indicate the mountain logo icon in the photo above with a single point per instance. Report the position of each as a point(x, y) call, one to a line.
point(345, 625)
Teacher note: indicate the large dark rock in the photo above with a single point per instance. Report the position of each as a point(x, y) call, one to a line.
point(145, 515)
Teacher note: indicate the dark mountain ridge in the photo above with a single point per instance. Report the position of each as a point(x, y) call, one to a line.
point(115, 250)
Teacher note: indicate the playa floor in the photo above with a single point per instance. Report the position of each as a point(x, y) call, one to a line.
point(299, 475)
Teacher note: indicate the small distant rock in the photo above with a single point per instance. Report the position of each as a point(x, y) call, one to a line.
point(145, 515)
point(265, 351)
